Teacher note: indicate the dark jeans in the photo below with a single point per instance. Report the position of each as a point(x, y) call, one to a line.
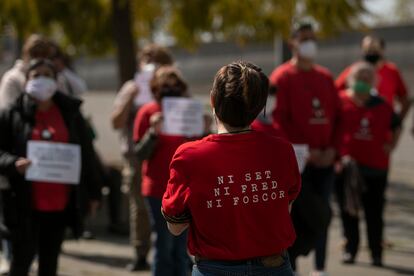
point(373, 202)
point(41, 235)
point(318, 183)
point(170, 258)
point(221, 268)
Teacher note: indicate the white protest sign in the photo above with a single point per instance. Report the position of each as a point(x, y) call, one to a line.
point(142, 80)
point(302, 155)
point(53, 162)
point(182, 116)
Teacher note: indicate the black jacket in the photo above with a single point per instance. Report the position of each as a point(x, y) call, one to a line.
point(16, 126)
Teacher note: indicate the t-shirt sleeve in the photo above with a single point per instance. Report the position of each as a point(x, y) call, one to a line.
point(281, 114)
point(340, 82)
point(175, 207)
point(295, 186)
point(141, 124)
point(336, 136)
point(401, 88)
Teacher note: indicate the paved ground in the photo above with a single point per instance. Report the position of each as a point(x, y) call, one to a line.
point(108, 255)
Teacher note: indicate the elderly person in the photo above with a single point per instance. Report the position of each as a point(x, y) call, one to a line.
point(13, 81)
point(37, 212)
point(131, 97)
point(369, 132)
point(233, 189)
point(389, 82)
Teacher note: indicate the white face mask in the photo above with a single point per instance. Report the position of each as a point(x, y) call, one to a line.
point(308, 49)
point(41, 88)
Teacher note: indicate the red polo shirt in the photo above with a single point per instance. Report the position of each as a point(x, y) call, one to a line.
point(307, 105)
point(366, 129)
point(155, 170)
point(50, 196)
point(235, 191)
point(389, 82)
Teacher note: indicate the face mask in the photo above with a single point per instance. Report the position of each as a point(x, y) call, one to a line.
point(308, 49)
point(372, 58)
point(361, 87)
point(41, 88)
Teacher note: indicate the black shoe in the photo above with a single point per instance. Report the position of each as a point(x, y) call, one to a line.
point(377, 262)
point(138, 265)
point(348, 258)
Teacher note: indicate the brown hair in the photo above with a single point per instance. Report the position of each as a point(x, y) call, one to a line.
point(36, 46)
point(239, 93)
point(154, 53)
point(34, 63)
point(167, 76)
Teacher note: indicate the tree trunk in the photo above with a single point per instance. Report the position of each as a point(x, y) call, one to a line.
point(286, 53)
point(124, 39)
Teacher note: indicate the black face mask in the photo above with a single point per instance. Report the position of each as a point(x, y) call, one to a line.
point(372, 58)
point(171, 91)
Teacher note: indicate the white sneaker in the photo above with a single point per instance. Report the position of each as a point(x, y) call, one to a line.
point(4, 266)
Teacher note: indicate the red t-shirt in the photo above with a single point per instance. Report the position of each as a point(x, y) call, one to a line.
point(273, 129)
point(389, 82)
point(307, 105)
point(366, 129)
point(236, 189)
point(155, 170)
point(50, 196)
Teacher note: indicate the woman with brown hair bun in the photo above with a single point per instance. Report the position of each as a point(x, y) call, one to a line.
point(233, 189)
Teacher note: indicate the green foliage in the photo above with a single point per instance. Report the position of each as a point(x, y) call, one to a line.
point(87, 24)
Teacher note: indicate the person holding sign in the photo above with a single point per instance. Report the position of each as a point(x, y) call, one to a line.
point(234, 189)
point(48, 158)
point(369, 132)
point(170, 252)
point(130, 98)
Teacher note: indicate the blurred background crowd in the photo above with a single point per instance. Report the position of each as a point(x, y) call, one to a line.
point(102, 50)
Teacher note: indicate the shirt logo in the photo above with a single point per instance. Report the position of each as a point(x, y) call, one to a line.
point(364, 131)
point(254, 188)
point(318, 113)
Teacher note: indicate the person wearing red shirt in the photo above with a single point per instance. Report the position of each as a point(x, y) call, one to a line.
point(264, 121)
point(307, 111)
point(389, 83)
point(170, 252)
point(242, 180)
point(132, 95)
point(369, 132)
point(37, 212)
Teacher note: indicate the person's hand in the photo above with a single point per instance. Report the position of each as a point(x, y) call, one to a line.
point(22, 164)
point(156, 122)
point(93, 207)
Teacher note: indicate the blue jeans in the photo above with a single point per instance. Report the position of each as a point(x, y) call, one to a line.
point(171, 258)
point(221, 268)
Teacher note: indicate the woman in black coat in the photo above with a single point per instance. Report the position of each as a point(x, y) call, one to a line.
point(37, 212)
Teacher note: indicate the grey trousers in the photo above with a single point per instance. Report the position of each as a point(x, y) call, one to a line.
point(140, 229)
